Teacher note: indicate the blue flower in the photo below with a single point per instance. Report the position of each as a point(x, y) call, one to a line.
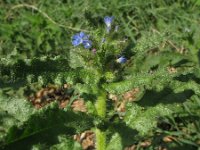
point(87, 44)
point(78, 38)
point(108, 21)
point(121, 60)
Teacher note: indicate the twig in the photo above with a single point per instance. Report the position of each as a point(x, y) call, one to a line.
point(173, 45)
point(43, 14)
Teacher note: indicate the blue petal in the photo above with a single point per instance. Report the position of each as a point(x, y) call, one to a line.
point(79, 38)
point(82, 34)
point(75, 36)
point(108, 20)
point(77, 41)
point(121, 60)
point(87, 44)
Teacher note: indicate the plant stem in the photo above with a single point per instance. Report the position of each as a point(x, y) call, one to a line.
point(101, 104)
point(101, 111)
point(100, 139)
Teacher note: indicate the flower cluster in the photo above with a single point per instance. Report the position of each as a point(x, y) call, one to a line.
point(82, 38)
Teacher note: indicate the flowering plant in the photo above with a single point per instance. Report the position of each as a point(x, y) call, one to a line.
point(98, 52)
point(81, 38)
point(119, 87)
point(105, 74)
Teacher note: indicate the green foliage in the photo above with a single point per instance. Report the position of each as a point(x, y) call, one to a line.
point(115, 143)
point(47, 124)
point(66, 144)
point(160, 39)
point(145, 119)
point(13, 111)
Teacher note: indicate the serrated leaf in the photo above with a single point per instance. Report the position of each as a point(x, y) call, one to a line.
point(66, 144)
point(145, 120)
point(115, 143)
point(76, 60)
point(13, 111)
point(45, 126)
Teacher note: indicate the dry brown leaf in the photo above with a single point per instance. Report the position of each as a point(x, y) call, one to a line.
point(132, 147)
point(130, 95)
point(79, 105)
point(168, 139)
point(145, 143)
point(172, 70)
point(86, 139)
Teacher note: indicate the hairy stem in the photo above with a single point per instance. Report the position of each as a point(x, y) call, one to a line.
point(100, 139)
point(101, 111)
point(101, 104)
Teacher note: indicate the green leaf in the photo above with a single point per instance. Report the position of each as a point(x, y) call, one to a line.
point(66, 143)
point(115, 142)
point(90, 75)
point(145, 43)
point(76, 60)
point(44, 126)
point(13, 111)
point(144, 120)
